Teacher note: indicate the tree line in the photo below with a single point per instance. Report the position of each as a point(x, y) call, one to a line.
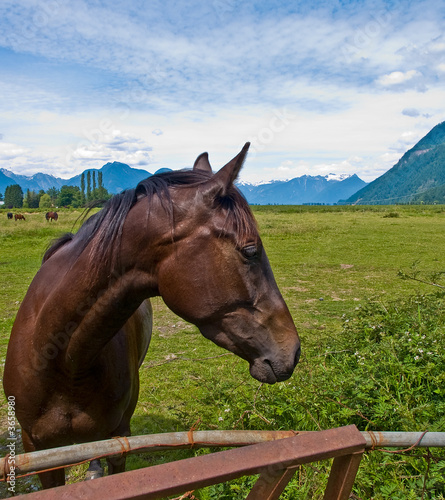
point(90, 190)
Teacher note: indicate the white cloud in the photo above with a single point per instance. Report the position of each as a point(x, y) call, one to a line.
point(405, 141)
point(110, 146)
point(437, 47)
point(160, 84)
point(398, 77)
point(23, 160)
point(10, 151)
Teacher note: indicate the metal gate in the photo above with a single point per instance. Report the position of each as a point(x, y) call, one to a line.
point(274, 461)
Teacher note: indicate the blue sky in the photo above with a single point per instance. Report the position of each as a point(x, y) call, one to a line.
point(317, 87)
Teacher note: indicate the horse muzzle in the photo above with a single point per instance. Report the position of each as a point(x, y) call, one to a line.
point(271, 370)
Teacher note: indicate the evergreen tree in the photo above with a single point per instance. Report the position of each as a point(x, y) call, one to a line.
point(82, 189)
point(100, 179)
point(26, 199)
point(14, 196)
point(69, 196)
point(77, 199)
point(31, 199)
point(99, 193)
point(88, 185)
point(53, 193)
point(102, 193)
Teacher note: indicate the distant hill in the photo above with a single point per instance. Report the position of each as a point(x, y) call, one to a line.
point(419, 176)
point(34, 182)
point(432, 196)
point(302, 190)
point(5, 181)
point(116, 177)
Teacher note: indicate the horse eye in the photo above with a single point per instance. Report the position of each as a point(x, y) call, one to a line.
point(250, 251)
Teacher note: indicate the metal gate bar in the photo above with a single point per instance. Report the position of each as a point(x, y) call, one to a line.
point(275, 462)
point(342, 476)
point(73, 454)
point(269, 487)
point(69, 455)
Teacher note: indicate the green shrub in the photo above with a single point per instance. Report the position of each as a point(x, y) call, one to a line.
point(384, 371)
point(393, 365)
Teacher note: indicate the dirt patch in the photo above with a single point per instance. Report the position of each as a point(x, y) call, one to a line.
point(336, 298)
point(295, 288)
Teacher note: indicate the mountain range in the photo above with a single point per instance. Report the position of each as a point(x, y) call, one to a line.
point(302, 190)
point(119, 176)
point(116, 177)
point(418, 177)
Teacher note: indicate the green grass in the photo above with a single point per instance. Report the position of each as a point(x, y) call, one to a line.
point(337, 268)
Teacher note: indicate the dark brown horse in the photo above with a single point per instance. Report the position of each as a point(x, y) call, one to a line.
point(84, 325)
point(9, 215)
point(19, 217)
point(51, 216)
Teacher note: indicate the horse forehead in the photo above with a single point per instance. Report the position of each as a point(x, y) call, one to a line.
point(225, 225)
point(228, 217)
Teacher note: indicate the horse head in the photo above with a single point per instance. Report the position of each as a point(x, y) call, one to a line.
point(216, 274)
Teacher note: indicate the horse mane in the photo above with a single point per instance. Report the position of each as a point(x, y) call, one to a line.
point(56, 244)
point(106, 225)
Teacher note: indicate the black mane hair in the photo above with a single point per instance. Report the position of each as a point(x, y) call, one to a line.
point(107, 224)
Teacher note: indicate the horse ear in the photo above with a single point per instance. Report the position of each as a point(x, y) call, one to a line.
point(220, 183)
point(202, 163)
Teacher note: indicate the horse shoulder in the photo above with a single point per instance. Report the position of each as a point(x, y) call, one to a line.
point(138, 329)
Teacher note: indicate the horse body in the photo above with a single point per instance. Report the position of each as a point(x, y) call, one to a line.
point(66, 391)
point(9, 215)
point(19, 217)
point(49, 216)
point(74, 353)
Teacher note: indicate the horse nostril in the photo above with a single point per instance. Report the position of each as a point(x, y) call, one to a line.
point(267, 362)
point(297, 356)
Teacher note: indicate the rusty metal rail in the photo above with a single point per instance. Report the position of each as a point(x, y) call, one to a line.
point(74, 454)
point(69, 455)
point(275, 461)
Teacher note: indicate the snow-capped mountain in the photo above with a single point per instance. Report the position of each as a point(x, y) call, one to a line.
point(326, 189)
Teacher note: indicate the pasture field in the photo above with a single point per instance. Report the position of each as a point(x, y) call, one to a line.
point(372, 343)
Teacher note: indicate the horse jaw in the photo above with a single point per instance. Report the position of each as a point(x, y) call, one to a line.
point(275, 365)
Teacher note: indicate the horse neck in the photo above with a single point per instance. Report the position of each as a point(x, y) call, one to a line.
point(106, 296)
point(99, 300)
point(104, 311)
